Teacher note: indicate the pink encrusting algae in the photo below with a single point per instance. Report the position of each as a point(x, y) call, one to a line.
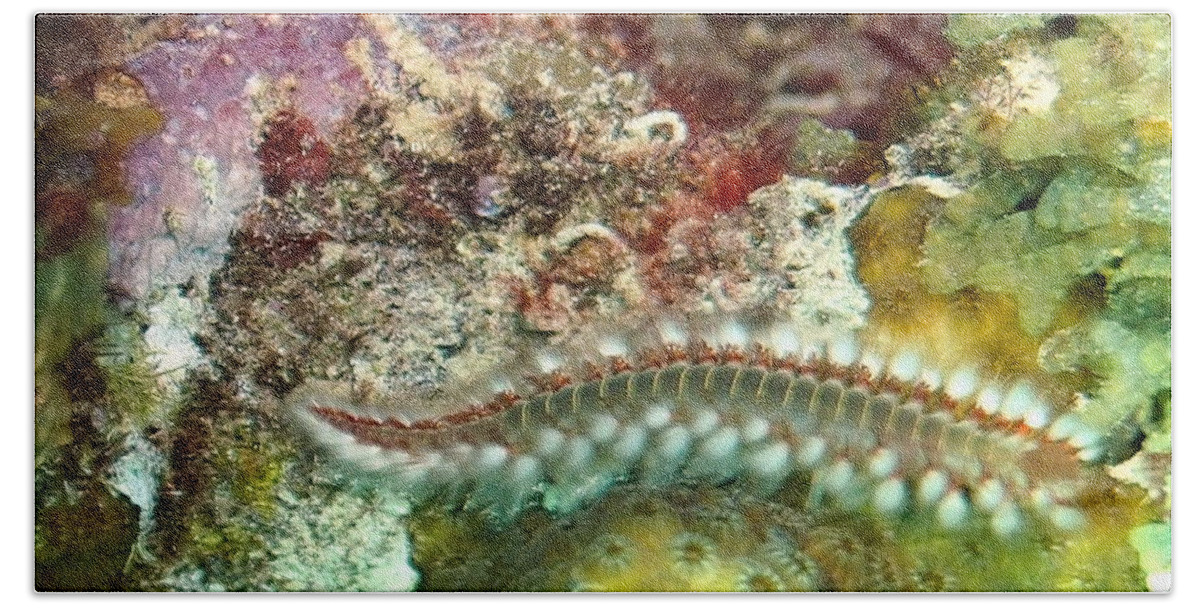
point(712, 402)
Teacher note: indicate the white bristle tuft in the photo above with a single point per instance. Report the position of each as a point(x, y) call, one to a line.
point(843, 350)
point(989, 399)
point(1091, 454)
point(732, 334)
point(490, 457)
point(931, 378)
point(673, 443)
point(1041, 500)
point(657, 416)
point(603, 428)
point(990, 494)
point(1007, 519)
point(549, 361)
point(1017, 401)
point(446, 472)
point(705, 421)
point(811, 452)
point(334, 439)
point(1084, 437)
point(613, 346)
point(630, 445)
point(668, 453)
point(962, 383)
point(952, 509)
point(460, 453)
point(883, 463)
point(838, 476)
point(933, 486)
point(370, 457)
point(720, 446)
point(1038, 416)
point(671, 332)
point(411, 476)
point(768, 461)
point(812, 351)
point(503, 384)
point(785, 340)
point(767, 467)
point(578, 454)
point(874, 363)
point(891, 495)
point(755, 429)
point(905, 366)
point(1067, 518)
point(1065, 426)
point(1062, 493)
point(550, 441)
point(525, 470)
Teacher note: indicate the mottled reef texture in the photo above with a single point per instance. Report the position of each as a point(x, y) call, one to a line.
point(228, 207)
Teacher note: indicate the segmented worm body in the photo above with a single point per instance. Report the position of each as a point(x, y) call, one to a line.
point(740, 401)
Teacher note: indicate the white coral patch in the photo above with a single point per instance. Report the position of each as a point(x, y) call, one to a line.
point(1033, 81)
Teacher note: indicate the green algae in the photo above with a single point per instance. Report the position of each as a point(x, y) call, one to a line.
point(69, 308)
point(821, 152)
point(1154, 547)
point(84, 545)
point(1077, 124)
point(974, 30)
point(1057, 130)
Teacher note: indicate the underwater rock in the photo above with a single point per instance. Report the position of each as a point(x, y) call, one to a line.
point(804, 226)
point(197, 176)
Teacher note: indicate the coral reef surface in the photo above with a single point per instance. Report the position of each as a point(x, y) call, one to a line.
point(603, 302)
